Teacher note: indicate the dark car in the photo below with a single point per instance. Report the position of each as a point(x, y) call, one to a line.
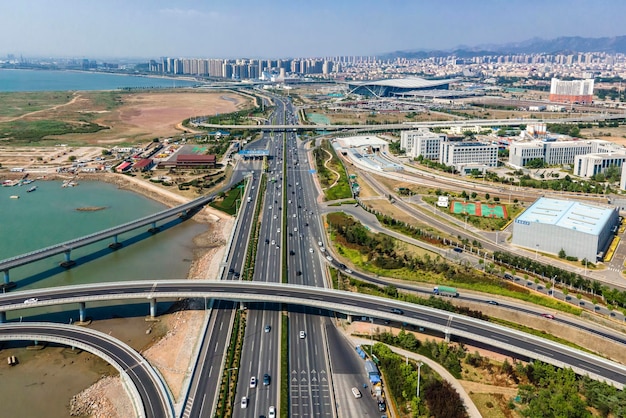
point(266, 379)
point(492, 302)
point(298, 273)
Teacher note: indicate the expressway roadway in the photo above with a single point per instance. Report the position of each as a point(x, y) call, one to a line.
point(202, 396)
point(438, 321)
point(261, 346)
point(150, 388)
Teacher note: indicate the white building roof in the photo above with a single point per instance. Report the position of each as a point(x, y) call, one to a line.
point(581, 216)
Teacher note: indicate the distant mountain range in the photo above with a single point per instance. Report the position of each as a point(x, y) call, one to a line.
point(564, 44)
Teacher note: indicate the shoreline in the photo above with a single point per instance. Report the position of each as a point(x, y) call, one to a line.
point(167, 344)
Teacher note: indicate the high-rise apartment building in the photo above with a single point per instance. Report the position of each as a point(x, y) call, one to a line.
point(574, 91)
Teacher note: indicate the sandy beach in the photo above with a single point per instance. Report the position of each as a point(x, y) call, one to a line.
point(167, 344)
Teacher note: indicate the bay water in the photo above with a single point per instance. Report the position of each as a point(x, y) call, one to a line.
point(49, 80)
point(50, 215)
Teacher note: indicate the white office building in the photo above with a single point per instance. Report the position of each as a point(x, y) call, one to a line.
point(591, 164)
point(556, 153)
point(459, 154)
point(422, 142)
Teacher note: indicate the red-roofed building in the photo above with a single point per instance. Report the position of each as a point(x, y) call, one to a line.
point(125, 166)
point(143, 165)
point(191, 161)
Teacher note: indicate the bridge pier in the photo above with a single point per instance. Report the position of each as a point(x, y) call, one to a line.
point(447, 336)
point(3, 317)
point(154, 228)
point(68, 260)
point(7, 284)
point(116, 244)
point(153, 308)
point(184, 215)
point(82, 311)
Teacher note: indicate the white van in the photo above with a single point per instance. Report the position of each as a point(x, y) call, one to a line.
point(356, 392)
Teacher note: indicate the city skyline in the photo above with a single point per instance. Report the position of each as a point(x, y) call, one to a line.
point(142, 29)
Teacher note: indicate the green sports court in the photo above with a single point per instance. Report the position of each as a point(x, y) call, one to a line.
point(478, 209)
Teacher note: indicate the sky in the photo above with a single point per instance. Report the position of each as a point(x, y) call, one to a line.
point(288, 28)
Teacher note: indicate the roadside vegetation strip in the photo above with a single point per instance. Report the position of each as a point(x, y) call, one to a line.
point(253, 245)
point(230, 375)
point(380, 254)
point(284, 364)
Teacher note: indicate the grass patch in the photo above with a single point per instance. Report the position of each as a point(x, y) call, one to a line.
point(345, 202)
point(489, 405)
point(37, 130)
point(228, 201)
point(335, 173)
point(13, 104)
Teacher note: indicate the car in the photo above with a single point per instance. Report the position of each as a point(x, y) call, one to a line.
point(320, 243)
point(381, 406)
point(298, 273)
point(266, 379)
point(348, 271)
point(268, 328)
point(236, 274)
point(329, 258)
point(272, 412)
point(31, 300)
point(270, 207)
point(278, 230)
point(244, 402)
point(267, 241)
point(302, 334)
point(292, 252)
point(253, 382)
point(294, 215)
point(547, 315)
point(492, 302)
point(295, 229)
point(231, 270)
point(273, 242)
point(310, 250)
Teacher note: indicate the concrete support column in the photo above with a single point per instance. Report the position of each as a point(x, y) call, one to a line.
point(6, 277)
point(68, 256)
point(447, 336)
point(153, 228)
point(3, 317)
point(115, 244)
point(153, 308)
point(349, 317)
point(82, 311)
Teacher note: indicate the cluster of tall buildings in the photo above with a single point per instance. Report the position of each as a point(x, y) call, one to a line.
point(242, 68)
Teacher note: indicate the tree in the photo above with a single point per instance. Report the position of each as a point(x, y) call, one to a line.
point(71, 158)
point(562, 253)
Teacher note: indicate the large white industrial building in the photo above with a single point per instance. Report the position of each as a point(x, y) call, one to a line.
point(457, 154)
point(581, 229)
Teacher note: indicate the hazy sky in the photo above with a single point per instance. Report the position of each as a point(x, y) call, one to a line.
point(289, 28)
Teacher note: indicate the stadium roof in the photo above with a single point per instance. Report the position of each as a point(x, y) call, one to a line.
point(579, 216)
point(404, 83)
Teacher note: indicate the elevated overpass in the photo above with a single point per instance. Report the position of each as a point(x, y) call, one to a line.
point(148, 392)
point(416, 125)
point(443, 322)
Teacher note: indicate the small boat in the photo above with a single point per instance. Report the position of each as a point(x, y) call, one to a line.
point(15, 196)
point(32, 189)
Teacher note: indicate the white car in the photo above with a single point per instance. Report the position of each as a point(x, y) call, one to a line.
point(273, 242)
point(31, 300)
point(295, 229)
point(302, 334)
point(244, 402)
point(253, 382)
point(272, 413)
point(270, 207)
point(311, 250)
point(348, 271)
point(294, 215)
point(329, 258)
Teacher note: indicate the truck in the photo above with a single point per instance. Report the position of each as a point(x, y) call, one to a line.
point(372, 372)
point(446, 291)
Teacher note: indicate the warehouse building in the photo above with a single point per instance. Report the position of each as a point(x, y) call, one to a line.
point(583, 230)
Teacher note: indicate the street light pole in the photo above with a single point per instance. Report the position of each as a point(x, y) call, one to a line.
point(536, 251)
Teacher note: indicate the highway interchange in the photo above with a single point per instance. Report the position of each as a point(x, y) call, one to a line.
point(290, 227)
